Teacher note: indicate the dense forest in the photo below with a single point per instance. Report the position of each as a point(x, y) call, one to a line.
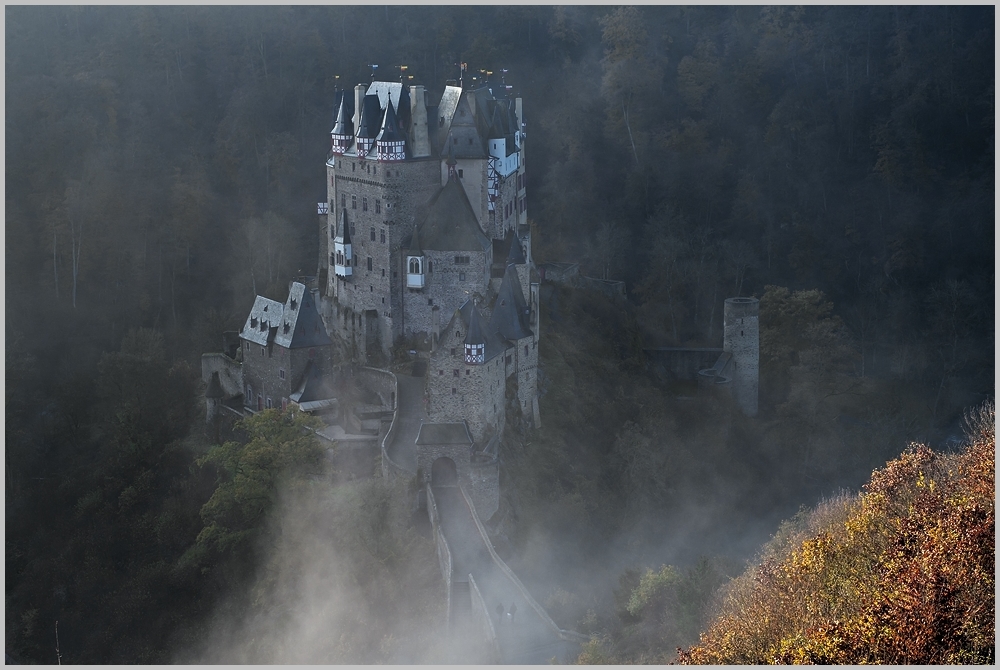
point(163, 166)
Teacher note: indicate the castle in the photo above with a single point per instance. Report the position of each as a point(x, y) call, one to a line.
point(425, 250)
point(423, 242)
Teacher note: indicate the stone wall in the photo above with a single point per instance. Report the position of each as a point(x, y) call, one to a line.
point(483, 621)
point(458, 390)
point(381, 382)
point(230, 372)
point(275, 371)
point(385, 197)
point(447, 286)
point(443, 551)
point(516, 583)
point(484, 487)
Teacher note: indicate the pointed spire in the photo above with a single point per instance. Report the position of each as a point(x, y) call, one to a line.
point(344, 123)
point(516, 254)
point(390, 126)
point(477, 329)
point(345, 229)
point(415, 243)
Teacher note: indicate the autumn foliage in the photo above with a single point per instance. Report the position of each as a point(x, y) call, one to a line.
point(902, 573)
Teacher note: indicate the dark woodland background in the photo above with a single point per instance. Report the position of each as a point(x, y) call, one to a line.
point(163, 166)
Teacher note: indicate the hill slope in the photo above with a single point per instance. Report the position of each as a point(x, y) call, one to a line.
point(902, 573)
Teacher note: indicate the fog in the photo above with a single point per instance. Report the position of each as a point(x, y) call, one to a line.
point(163, 166)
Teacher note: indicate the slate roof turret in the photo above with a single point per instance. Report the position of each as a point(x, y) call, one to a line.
point(371, 117)
point(516, 254)
point(343, 123)
point(510, 311)
point(344, 230)
point(470, 314)
point(390, 131)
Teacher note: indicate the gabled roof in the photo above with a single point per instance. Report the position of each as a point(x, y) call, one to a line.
point(465, 137)
point(444, 433)
point(445, 110)
point(450, 223)
point(263, 321)
point(510, 311)
point(301, 325)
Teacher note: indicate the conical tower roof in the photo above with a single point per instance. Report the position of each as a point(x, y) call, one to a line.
point(477, 328)
point(345, 229)
point(344, 123)
point(371, 117)
point(390, 127)
point(516, 254)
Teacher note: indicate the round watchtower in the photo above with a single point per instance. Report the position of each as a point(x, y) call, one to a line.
point(741, 339)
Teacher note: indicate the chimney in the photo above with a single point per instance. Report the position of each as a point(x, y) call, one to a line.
point(420, 144)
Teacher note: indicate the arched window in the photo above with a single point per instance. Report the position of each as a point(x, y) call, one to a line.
point(414, 266)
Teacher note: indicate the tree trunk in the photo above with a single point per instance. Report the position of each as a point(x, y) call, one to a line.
point(629, 129)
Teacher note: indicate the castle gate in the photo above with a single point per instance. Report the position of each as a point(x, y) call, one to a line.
point(444, 472)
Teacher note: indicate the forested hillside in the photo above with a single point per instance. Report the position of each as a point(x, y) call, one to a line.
point(163, 166)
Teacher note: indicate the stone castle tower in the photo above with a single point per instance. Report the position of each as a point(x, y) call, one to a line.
point(424, 237)
point(393, 155)
point(742, 341)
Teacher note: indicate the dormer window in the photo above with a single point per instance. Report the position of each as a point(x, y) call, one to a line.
point(286, 328)
point(253, 322)
point(294, 303)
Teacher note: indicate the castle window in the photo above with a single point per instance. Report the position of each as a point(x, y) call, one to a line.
point(332, 233)
point(430, 301)
point(352, 225)
point(383, 301)
point(354, 202)
point(378, 206)
point(268, 402)
point(461, 172)
point(461, 260)
point(526, 350)
point(414, 266)
point(441, 122)
point(262, 352)
point(382, 236)
point(383, 272)
point(454, 391)
point(281, 373)
point(369, 263)
point(467, 372)
point(375, 169)
point(430, 267)
point(440, 373)
point(461, 276)
point(454, 373)
point(452, 349)
point(343, 200)
point(371, 234)
point(294, 303)
point(364, 206)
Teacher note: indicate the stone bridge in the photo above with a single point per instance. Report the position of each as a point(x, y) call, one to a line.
point(476, 578)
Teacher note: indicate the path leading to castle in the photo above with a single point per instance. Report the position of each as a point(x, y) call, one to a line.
point(402, 451)
point(525, 639)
